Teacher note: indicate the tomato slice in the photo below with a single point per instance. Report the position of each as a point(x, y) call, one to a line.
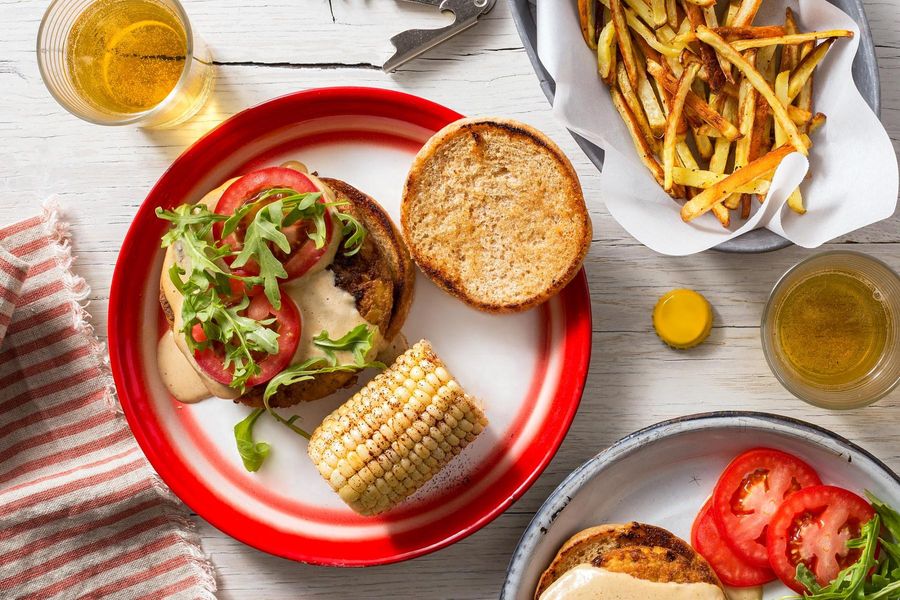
point(749, 492)
point(303, 254)
point(288, 324)
point(813, 527)
point(706, 540)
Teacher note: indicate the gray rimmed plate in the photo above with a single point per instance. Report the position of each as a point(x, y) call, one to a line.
point(661, 475)
point(865, 74)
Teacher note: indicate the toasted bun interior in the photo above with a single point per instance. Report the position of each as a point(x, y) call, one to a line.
point(493, 213)
point(642, 551)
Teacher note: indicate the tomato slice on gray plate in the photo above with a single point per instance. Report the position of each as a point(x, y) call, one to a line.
point(813, 527)
point(731, 569)
point(749, 492)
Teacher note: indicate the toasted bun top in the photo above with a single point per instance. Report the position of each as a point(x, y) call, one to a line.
point(642, 551)
point(493, 213)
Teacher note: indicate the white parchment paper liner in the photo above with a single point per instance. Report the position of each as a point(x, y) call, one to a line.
point(853, 178)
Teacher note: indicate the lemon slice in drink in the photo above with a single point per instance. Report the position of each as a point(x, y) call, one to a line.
point(142, 63)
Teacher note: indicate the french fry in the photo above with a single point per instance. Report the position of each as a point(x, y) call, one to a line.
point(797, 38)
point(766, 63)
point(703, 3)
point(645, 152)
point(672, 13)
point(715, 76)
point(606, 53)
point(634, 104)
point(781, 92)
point(648, 36)
point(640, 8)
point(795, 202)
point(760, 141)
point(746, 116)
point(669, 141)
point(731, 34)
point(689, 163)
point(699, 178)
point(790, 54)
point(817, 121)
point(652, 108)
point(587, 14)
point(659, 12)
point(722, 149)
point(712, 20)
point(704, 201)
point(804, 98)
point(623, 37)
point(693, 103)
point(804, 70)
point(745, 14)
point(758, 82)
point(731, 12)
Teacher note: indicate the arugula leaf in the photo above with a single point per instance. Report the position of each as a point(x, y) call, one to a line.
point(353, 232)
point(358, 340)
point(252, 453)
point(307, 370)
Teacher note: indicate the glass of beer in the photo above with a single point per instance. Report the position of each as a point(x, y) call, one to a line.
point(121, 62)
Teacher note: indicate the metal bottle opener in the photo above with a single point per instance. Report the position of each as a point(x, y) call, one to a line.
point(415, 42)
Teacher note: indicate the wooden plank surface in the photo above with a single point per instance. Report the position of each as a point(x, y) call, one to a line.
point(266, 49)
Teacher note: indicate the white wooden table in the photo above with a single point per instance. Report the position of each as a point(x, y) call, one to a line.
point(265, 49)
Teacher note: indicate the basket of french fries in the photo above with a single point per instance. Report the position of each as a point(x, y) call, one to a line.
point(721, 117)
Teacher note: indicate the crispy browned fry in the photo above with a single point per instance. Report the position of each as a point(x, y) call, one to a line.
point(623, 37)
point(800, 117)
point(684, 87)
point(749, 32)
point(672, 13)
point(790, 54)
point(745, 14)
point(746, 117)
point(758, 82)
point(634, 104)
point(704, 201)
point(817, 121)
point(587, 15)
point(797, 38)
point(760, 141)
point(703, 3)
point(642, 145)
point(694, 105)
point(712, 20)
point(805, 68)
point(804, 98)
point(715, 76)
point(745, 206)
point(731, 34)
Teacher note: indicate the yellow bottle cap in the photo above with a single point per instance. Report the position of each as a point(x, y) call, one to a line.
point(682, 318)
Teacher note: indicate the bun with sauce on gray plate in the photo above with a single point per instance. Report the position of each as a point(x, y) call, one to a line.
point(278, 288)
point(628, 562)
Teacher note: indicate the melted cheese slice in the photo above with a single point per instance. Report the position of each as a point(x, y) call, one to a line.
point(586, 582)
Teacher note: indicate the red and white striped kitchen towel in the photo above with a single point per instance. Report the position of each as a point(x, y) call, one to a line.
point(82, 514)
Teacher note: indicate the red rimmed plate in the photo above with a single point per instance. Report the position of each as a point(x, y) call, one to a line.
point(529, 369)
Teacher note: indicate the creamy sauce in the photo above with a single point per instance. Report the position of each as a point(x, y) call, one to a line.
point(181, 378)
point(322, 305)
point(748, 593)
point(586, 582)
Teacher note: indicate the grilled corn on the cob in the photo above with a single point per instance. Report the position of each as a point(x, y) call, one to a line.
point(396, 433)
